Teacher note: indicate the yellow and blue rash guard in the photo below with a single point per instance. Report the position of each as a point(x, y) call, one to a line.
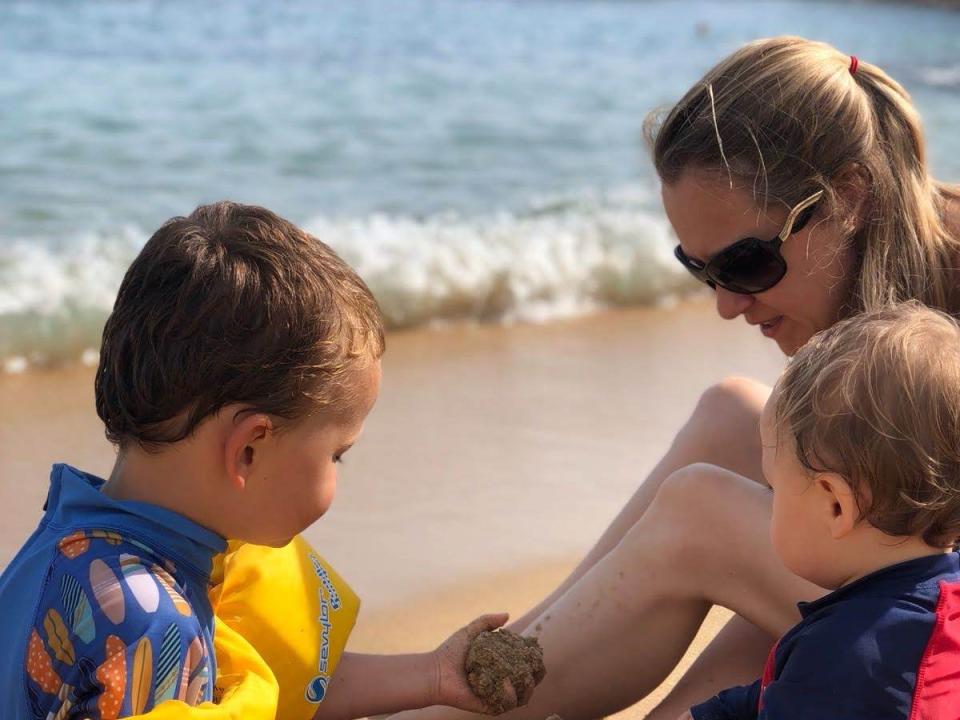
point(268, 625)
point(106, 610)
point(293, 609)
point(283, 616)
point(246, 689)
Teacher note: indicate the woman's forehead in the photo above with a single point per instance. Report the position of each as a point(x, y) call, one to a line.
point(707, 215)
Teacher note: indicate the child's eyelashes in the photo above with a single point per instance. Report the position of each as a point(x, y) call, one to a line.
point(338, 457)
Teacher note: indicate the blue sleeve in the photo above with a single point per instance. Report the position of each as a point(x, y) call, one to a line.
point(112, 636)
point(857, 663)
point(737, 703)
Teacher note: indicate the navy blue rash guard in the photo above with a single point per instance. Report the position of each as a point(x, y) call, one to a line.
point(886, 647)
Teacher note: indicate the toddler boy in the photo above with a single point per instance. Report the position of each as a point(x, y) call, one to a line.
point(861, 447)
point(236, 369)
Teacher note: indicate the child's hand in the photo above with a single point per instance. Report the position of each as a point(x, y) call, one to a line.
point(686, 716)
point(451, 657)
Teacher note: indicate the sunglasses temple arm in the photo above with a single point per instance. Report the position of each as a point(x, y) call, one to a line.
point(792, 217)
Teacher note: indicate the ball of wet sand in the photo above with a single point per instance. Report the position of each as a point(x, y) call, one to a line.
point(503, 655)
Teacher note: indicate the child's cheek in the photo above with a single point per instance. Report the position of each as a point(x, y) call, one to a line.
point(327, 492)
point(323, 492)
point(780, 536)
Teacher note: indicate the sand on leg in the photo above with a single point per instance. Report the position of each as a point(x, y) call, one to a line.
point(723, 430)
point(619, 630)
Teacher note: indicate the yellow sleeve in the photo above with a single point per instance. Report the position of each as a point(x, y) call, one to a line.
point(246, 687)
point(295, 611)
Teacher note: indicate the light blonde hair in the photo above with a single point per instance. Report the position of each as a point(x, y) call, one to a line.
point(785, 117)
point(876, 399)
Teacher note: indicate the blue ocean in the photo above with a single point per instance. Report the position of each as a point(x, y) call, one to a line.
point(476, 160)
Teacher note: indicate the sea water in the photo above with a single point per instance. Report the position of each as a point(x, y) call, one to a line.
point(476, 160)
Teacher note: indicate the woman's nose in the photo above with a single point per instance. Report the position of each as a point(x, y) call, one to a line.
point(731, 304)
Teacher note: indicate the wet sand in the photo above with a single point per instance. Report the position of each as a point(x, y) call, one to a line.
point(493, 460)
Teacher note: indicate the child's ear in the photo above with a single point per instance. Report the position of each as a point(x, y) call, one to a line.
point(243, 447)
point(843, 511)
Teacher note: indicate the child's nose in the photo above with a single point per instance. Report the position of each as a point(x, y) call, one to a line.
point(731, 304)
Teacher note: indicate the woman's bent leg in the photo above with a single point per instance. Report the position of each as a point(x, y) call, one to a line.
point(723, 430)
point(617, 632)
point(734, 657)
point(621, 628)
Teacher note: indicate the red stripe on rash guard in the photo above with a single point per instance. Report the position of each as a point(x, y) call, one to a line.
point(937, 692)
point(769, 672)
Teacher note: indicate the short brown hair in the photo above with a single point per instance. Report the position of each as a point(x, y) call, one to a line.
point(876, 399)
point(232, 304)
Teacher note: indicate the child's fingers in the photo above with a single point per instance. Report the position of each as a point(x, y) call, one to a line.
point(486, 622)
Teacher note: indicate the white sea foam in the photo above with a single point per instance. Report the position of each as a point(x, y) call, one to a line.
point(559, 258)
point(946, 77)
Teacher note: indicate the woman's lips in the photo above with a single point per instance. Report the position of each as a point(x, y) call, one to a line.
point(770, 327)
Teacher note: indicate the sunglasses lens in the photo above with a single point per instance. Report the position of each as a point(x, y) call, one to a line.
point(747, 267)
point(694, 268)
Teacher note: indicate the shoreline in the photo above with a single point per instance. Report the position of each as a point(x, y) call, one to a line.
point(490, 447)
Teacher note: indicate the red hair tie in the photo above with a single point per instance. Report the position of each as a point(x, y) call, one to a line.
point(854, 63)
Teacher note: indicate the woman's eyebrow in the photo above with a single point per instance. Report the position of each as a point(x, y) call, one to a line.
point(722, 248)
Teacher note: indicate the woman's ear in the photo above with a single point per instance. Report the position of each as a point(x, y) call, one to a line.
point(841, 509)
point(244, 446)
point(852, 185)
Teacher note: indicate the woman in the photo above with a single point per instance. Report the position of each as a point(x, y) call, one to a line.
point(796, 181)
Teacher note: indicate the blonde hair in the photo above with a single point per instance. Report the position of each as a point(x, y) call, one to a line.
point(785, 117)
point(876, 399)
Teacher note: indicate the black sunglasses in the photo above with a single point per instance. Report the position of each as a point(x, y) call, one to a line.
point(751, 265)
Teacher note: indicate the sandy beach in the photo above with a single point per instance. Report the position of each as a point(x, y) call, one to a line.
point(483, 167)
point(493, 460)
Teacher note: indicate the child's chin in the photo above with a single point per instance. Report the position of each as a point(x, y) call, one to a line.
point(277, 543)
point(268, 539)
point(814, 574)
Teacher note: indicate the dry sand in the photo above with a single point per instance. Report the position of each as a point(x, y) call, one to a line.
point(493, 460)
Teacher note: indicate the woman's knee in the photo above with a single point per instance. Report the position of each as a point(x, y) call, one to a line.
point(724, 427)
point(693, 508)
point(692, 494)
point(733, 396)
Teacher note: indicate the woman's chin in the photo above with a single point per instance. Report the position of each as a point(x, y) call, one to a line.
point(789, 339)
point(788, 348)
